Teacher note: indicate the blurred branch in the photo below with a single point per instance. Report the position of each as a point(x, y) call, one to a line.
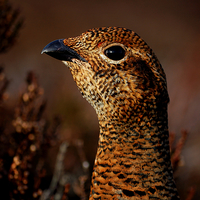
point(64, 184)
point(177, 149)
point(10, 25)
point(191, 193)
point(176, 160)
point(58, 173)
point(3, 85)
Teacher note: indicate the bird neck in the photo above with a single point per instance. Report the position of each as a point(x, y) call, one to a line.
point(133, 157)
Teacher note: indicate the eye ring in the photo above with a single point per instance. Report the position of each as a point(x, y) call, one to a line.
point(115, 52)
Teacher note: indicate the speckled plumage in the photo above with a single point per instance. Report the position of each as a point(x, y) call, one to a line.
point(130, 98)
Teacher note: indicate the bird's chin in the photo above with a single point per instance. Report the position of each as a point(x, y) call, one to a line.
point(70, 64)
point(74, 63)
point(67, 63)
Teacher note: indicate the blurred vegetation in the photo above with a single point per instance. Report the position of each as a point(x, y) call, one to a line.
point(26, 138)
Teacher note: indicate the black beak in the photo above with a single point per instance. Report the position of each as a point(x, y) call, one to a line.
point(57, 49)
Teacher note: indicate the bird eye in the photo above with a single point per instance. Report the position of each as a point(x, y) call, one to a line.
point(115, 52)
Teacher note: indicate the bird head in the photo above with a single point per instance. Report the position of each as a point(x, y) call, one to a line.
point(114, 69)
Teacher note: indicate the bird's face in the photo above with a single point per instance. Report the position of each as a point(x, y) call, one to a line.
point(113, 68)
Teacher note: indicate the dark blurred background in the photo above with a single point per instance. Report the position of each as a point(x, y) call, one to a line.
point(171, 28)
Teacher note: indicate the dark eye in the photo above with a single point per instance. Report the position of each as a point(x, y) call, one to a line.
point(115, 52)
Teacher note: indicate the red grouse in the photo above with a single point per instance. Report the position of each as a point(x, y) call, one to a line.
point(120, 76)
